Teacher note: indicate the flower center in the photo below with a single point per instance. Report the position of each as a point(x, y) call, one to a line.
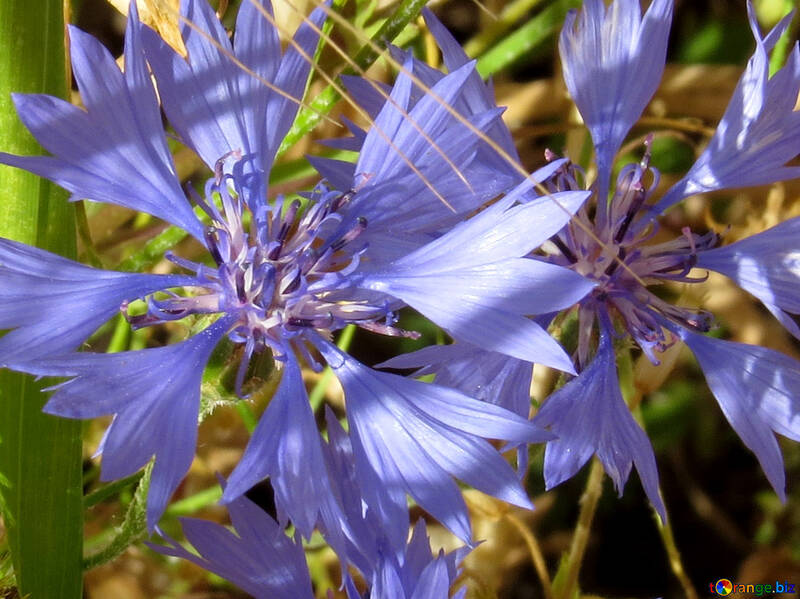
point(280, 270)
point(625, 262)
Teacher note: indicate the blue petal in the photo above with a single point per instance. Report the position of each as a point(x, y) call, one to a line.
point(395, 136)
point(386, 582)
point(212, 124)
point(143, 96)
point(487, 376)
point(478, 319)
point(286, 447)
point(339, 173)
point(38, 288)
point(116, 152)
point(367, 529)
point(292, 77)
point(410, 437)
point(758, 133)
point(261, 560)
point(498, 233)
point(257, 45)
point(417, 552)
point(757, 389)
point(477, 96)
point(589, 417)
point(154, 395)
point(434, 582)
point(613, 61)
point(767, 265)
point(413, 157)
point(235, 106)
point(482, 296)
point(418, 576)
point(368, 94)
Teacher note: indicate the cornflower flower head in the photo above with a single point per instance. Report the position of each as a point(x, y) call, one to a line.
point(281, 276)
point(613, 59)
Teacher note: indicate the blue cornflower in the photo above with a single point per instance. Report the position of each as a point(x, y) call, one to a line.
point(757, 388)
point(613, 58)
point(116, 152)
point(283, 283)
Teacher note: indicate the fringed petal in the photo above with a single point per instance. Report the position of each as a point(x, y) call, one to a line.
point(37, 290)
point(767, 265)
point(411, 437)
point(590, 417)
point(116, 151)
point(613, 60)
point(483, 296)
point(758, 133)
point(154, 395)
point(261, 560)
point(758, 390)
point(286, 447)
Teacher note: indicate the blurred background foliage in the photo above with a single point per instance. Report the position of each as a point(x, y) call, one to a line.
point(726, 520)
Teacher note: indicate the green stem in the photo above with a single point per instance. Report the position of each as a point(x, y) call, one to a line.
point(153, 250)
point(120, 337)
point(674, 556)
point(134, 526)
point(191, 504)
point(40, 455)
point(248, 417)
point(580, 538)
point(132, 530)
point(85, 235)
point(537, 557)
point(110, 489)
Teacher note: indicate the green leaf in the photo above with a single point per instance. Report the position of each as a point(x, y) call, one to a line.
point(40, 455)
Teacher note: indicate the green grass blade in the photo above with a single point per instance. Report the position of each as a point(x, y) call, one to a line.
point(525, 39)
point(40, 456)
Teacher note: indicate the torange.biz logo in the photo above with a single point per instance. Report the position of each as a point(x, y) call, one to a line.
point(725, 587)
